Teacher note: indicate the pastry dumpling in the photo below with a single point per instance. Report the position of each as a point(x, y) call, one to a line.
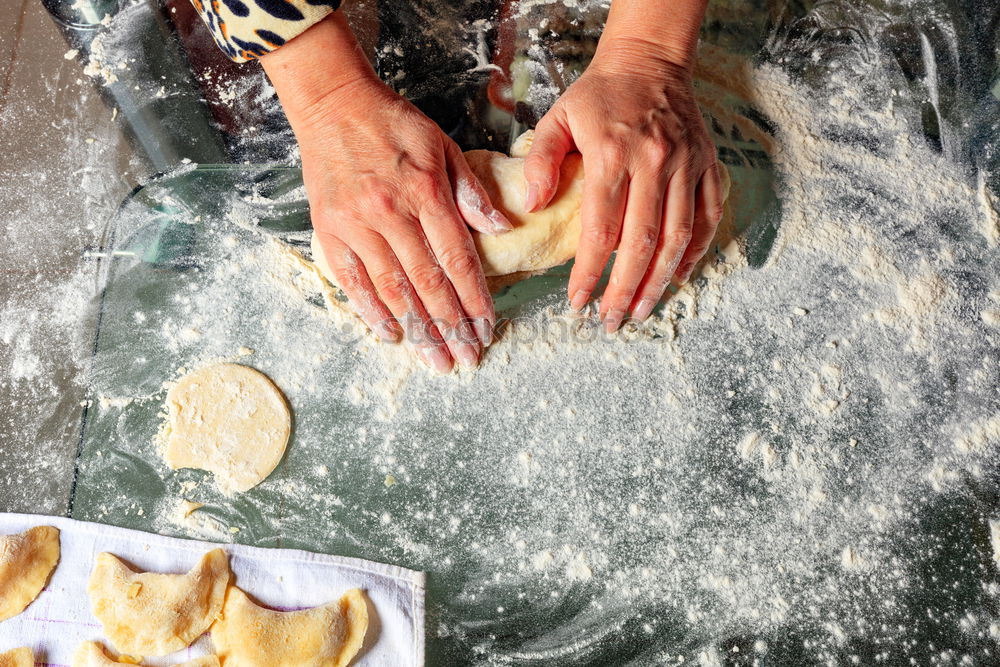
point(17, 657)
point(248, 635)
point(26, 561)
point(156, 614)
point(91, 654)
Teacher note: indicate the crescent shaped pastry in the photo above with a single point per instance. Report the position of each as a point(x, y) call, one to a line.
point(248, 635)
point(17, 657)
point(91, 654)
point(26, 561)
point(156, 614)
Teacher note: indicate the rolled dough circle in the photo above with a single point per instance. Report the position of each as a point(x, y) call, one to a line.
point(230, 420)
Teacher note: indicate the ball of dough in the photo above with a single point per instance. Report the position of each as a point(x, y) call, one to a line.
point(229, 420)
point(539, 240)
point(26, 561)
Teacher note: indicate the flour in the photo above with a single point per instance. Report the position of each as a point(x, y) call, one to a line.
point(793, 460)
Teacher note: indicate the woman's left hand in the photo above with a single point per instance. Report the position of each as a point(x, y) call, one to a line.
point(651, 186)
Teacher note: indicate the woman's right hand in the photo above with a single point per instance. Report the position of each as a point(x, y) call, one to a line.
point(392, 199)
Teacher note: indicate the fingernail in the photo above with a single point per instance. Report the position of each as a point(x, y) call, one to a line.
point(531, 202)
point(643, 309)
point(484, 331)
point(685, 275)
point(467, 356)
point(613, 320)
point(579, 300)
point(499, 222)
point(437, 359)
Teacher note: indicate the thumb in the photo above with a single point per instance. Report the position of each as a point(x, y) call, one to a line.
point(552, 141)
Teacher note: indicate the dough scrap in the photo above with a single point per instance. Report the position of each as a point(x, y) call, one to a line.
point(155, 614)
point(230, 420)
point(26, 561)
point(248, 635)
point(539, 240)
point(91, 654)
point(18, 657)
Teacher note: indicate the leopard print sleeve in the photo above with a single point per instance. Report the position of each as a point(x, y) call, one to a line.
point(247, 29)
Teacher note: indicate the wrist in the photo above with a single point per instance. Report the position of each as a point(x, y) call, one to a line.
point(317, 68)
point(636, 56)
point(652, 32)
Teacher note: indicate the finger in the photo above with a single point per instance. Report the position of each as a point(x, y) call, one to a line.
point(605, 187)
point(353, 279)
point(640, 235)
point(455, 252)
point(676, 236)
point(471, 199)
point(551, 143)
point(434, 289)
point(396, 292)
point(708, 213)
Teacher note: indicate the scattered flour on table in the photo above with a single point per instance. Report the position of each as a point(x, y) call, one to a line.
point(795, 458)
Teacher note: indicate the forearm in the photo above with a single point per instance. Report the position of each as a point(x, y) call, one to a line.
point(311, 70)
point(665, 29)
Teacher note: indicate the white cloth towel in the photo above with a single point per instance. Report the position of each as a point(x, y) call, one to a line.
point(60, 618)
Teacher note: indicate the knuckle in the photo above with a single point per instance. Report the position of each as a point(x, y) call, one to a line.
point(612, 159)
point(615, 303)
point(460, 261)
point(454, 328)
point(392, 286)
point(644, 240)
point(423, 332)
point(324, 217)
point(379, 202)
point(334, 220)
point(698, 246)
point(601, 236)
point(658, 152)
point(429, 279)
point(466, 330)
point(536, 162)
point(715, 212)
point(588, 279)
point(430, 185)
point(347, 276)
point(698, 250)
point(689, 159)
point(679, 237)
